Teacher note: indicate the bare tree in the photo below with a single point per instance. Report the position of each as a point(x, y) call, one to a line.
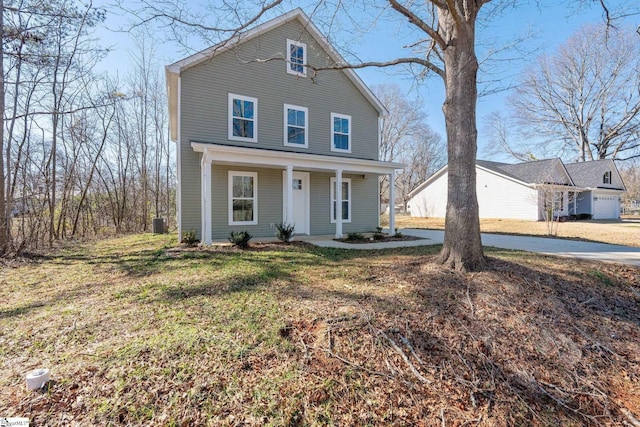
point(585, 98)
point(446, 48)
point(406, 138)
point(630, 173)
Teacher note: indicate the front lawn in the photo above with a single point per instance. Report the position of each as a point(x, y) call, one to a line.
point(139, 331)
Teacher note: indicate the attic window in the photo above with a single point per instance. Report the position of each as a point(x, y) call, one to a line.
point(296, 58)
point(606, 178)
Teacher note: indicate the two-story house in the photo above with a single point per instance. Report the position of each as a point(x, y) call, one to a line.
point(263, 138)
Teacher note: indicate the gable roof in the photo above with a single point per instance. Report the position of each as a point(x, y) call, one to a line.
point(536, 172)
point(589, 174)
point(173, 71)
point(583, 175)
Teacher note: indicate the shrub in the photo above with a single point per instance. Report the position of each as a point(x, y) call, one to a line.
point(189, 238)
point(355, 236)
point(379, 230)
point(240, 239)
point(378, 236)
point(398, 234)
point(285, 232)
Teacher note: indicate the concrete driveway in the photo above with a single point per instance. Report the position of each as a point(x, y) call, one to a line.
point(550, 246)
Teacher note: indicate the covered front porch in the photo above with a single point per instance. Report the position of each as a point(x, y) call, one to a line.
point(345, 174)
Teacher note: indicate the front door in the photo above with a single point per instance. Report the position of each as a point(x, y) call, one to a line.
point(301, 196)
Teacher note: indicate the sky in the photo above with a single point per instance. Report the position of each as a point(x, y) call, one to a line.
point(543, 28)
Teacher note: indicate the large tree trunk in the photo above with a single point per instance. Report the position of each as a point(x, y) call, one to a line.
point(462, 248)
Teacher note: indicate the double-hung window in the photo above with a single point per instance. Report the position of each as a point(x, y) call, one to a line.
point(346, 200)
point(340, 133)
point(296, 124)
point(243, 198)
point(243, 114)
point(296, 58)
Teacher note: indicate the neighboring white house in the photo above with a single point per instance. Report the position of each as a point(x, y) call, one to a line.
point(521, 191)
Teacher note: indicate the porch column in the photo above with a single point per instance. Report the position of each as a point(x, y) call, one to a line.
point(205, 184)
point(289, 202)
point(338, 203)
point(392, 203)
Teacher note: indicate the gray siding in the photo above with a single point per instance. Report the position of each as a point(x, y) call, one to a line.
point(364, 209)
point(205, 90)
point(204, 118)
point(269, 201)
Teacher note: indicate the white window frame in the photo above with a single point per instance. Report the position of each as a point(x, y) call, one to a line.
point(290, 63)
point(333, 147)
point(286, 109)
point(254, 175)
point(606, 178)
point(333, 199)
point(231, 136)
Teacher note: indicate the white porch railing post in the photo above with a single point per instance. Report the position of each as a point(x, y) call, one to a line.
point(289, 202)
point(338, 203)
point(392, 202)
point(205, 182)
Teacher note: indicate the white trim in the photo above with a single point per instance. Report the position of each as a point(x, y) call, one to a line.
point(281, 159)
point(349, 133)
point(231, 136)
point(230, 197)
point(289, 63)
point(205, 199)
point(179, 164)
point(392, 203)
point(285, 112)
point(285, 186)
point(333, 198)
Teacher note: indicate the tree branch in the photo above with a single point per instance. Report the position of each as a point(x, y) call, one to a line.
point(418, 22)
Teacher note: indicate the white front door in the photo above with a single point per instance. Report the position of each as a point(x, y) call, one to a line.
point(301, 200)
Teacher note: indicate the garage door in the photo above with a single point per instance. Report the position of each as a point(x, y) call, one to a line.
point(606, 207)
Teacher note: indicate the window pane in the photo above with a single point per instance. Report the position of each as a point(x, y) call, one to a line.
point(296, 54)
point(243, 109)
point(295, 135)
point(295, 117)
point(345, 210)
point(336, 124)
point(243, 128)
point(242, 210)
point(341, 142)
point(345, 190)
point(340, 125)
point(242, 186)
point(248, 110)
point(237, 108)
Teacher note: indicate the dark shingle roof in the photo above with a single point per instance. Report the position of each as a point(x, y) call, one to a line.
point(537, 172)
point(590, 174)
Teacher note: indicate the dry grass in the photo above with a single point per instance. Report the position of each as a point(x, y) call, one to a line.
point(624, 232)
point(138, 332)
